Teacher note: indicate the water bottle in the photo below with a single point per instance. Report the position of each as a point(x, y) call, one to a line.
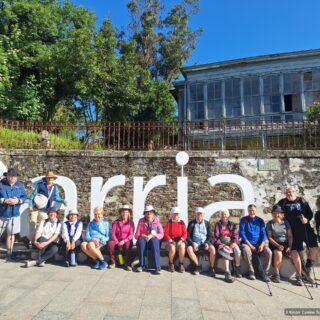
point(73, 259)
point(120, 259)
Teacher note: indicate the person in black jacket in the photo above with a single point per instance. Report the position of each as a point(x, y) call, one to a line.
point(200, 237)
point(317, 217)
point(299, 214)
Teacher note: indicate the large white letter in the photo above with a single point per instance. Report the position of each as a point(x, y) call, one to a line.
point(182, 195)
point(245, 187)
point(99, 192)
point(140, 194)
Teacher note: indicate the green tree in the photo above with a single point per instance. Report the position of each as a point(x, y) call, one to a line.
point(313, 112)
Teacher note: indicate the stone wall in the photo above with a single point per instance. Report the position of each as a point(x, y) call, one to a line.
point(299, 168)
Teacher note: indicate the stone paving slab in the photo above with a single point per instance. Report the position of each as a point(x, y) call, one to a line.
point(55, 292)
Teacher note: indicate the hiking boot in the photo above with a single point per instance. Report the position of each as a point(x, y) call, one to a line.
point(127, 268)
point(41, 264)
point(276, 278)
point(265, 277)
point(251, 276)
point(212, 273)
point(238, 272)
point(181, 268)
point(103, 265)
point(157, 271)
point(197, 270)
point(139, 269)
point(228, 278)
point(66, 264)
point(171, 267)
point(112, 266)
point(96, 265)
point(31, 263)
point(298, 281)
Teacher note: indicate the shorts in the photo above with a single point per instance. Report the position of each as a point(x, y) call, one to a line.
point(298, 240)
point(12, 225)
point(169, 244)
point(284, 244)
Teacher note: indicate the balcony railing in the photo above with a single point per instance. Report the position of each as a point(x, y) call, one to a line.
point(226, 134)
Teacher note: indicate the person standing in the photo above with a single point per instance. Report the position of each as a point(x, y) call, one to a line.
point(299, 214)
point(12, 195)
point(42, 197)
point(252, 231)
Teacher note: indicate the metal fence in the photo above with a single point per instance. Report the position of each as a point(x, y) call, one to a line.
point(226, 134)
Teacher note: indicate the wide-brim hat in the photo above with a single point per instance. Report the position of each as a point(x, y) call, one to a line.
point(50, 174)
point(226, 252)
point(72, 212)
point(149, 208)
point(12, 172)
point(125, 207)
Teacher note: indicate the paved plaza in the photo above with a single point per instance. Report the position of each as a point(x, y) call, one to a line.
point(56, 292)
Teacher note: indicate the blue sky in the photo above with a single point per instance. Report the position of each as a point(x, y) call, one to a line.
point(237, 28)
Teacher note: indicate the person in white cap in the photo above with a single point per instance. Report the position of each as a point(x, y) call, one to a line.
point(72, 237)
point(148, 234)
point(200, 237)
point(175, 233)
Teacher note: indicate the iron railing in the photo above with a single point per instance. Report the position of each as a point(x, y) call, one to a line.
point(226, 134)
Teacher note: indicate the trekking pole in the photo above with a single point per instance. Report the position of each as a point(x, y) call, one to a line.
point(307, 243)
point(264, 273)
point(305, 285)
point(11, 232)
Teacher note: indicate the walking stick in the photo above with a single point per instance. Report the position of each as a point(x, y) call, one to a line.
point(264, 273)
point(11, 232)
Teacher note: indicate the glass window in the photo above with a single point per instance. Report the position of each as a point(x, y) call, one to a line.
point(214, 90)
point(311, 80)
point(271, 84)
point(232, 88)
point(233, 108)
point(196, 92)
point(197, 110)
point(272, 104)
point(252, 105)
point(251, 86)
point(214, 109)
point(292, 83)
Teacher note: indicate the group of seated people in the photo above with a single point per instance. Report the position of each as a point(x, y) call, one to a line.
point(257, 240)
point(285, 234)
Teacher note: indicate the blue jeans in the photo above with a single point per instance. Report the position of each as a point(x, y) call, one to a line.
point(48, 251)
point(144, 246)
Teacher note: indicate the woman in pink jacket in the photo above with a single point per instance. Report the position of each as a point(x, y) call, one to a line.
point(148, 234)
point(122, 234)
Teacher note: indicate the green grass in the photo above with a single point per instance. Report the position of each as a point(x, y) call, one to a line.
point(10, 138)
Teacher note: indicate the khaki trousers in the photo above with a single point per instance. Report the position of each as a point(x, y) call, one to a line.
point(35, 218)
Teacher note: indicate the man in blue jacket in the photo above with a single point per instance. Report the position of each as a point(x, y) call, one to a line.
point(254, 242)
point(12, 195)
point(47, 188)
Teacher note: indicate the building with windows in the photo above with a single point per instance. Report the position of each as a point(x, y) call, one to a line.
point(270, 87)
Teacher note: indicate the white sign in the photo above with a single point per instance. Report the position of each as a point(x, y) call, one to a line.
point(99, 192)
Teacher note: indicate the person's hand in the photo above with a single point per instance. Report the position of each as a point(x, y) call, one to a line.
point(232, 245)
point(30, 210)
point(195, 246)
point(8, 201)
point(68, 245)
point(149, 237)
point(121, 243)
point(303, 219)
point(280, 247)
point(72, 245)
point(40, 245)
point(96, 242)
point(252, 248)
point(260, 248)
point(206, 246)
point(15, 200)
point(288, 251)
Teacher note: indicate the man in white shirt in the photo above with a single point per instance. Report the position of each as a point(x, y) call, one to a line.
point(47, 239)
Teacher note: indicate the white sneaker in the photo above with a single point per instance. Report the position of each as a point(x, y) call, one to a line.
point(41, 264)
point(31, 263)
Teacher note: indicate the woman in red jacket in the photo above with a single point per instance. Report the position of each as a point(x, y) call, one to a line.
point(175, 234)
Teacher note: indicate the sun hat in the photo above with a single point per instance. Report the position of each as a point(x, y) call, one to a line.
point(175, 210)
point(125, 207)
point(149, 208)
point(199, 209)
point(277, 208)
point(72, 211)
